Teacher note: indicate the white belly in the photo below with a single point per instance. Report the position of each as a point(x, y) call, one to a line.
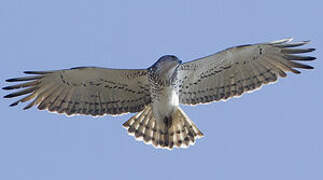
point(166, 103)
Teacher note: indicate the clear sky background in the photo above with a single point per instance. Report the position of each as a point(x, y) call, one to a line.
point(275, 133)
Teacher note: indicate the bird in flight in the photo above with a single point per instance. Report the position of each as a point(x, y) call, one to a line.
point(155, 93)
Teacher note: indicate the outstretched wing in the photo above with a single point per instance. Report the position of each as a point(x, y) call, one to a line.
point(239, 69)
point(84, 90)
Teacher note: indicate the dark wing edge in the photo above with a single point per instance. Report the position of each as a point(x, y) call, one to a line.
point(57, 97)
point(31, 86)
point(266, 71)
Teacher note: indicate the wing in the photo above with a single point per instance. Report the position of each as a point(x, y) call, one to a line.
point(84, 90)
point(237, 70)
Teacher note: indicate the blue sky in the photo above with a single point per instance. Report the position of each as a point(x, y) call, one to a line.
point(275, 133)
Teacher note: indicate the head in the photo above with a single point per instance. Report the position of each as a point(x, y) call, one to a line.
point(165, 67)
point(167, 63)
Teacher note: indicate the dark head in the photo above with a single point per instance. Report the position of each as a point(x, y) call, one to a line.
point(166, 66)
point(167, 62)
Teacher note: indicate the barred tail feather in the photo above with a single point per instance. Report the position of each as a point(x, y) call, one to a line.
point(181, 133)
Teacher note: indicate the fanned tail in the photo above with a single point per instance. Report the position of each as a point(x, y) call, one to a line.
point(180, 133)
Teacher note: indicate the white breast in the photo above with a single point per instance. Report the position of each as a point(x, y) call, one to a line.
point(166, 103)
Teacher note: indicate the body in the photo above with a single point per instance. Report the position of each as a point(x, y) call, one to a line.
point(164, 92)
point(163, 123)
point(155, 93)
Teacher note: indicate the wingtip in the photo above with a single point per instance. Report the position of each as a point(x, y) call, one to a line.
point(311, 58)
point(37, 72)
point(25, 108)
point(10, 80)
point(6, 88)
point(28, 72)
point(306, 66)
point(28, 106)
point(14, 104)
point(8, 96)
point(311, 49)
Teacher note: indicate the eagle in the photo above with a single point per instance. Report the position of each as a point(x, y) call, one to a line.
point(155, 93)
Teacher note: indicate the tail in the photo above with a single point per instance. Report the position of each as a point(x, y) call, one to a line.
point(180, 133)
